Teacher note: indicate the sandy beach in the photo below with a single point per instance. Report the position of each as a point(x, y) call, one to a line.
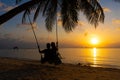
point(14, 69)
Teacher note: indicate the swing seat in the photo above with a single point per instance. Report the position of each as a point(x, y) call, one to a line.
point(58, 61)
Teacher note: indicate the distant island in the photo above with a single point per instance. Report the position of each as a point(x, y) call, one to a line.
point(15, 47)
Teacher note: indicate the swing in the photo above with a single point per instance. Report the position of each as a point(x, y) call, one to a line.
point(58, 56)
point(34, 34)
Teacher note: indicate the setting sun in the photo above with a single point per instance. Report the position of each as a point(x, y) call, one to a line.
point(94, 41)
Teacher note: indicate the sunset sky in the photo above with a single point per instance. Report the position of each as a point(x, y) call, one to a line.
point(13, 33)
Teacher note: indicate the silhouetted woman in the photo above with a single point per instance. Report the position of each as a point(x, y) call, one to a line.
point(54, 54)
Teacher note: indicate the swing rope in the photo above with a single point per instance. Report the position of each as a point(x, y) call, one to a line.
point(56, 33)
point(57, 37)
point(34, 34)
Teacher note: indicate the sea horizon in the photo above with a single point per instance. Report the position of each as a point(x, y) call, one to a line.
point(61, 47)
point(96, 57)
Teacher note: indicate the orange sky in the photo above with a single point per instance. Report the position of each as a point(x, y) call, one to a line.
point(13, 33)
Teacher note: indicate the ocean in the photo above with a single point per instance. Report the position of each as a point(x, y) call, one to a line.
point(96, 57)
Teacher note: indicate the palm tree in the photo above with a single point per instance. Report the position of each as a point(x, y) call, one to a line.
point(5, 17)
point(69, 10)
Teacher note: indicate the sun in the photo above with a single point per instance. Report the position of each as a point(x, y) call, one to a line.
point(94, 41)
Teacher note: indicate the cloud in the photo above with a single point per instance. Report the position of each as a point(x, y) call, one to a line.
point(5, 7)
point(1, 26)
point(28, 26)
point(81, 23)
point(86, 34)
point(118, 28)
point(23, 25)
point(8, 8)
point(6, 40)
point(8, 35)
point(2, 4)
point(59, 22)
point(59, 14)
point(9, 43)
point(105, 9)
point(116, 21)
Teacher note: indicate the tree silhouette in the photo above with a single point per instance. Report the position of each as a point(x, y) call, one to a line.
point(69, 10)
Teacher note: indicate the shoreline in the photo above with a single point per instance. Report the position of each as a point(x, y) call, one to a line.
point(81, 56)
point(16, 69)
point(82, 64)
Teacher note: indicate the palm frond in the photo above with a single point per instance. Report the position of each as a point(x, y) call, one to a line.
point(29, 10)
point(98, 15)
point(18, 1)
point(93, 11)
point(26, 13)
point(37, 13)
point(50, 14)
point(20, 8)
point(69, 12)
point(40, 5)
point(69, 15)
point(45, 7)
point(117, 0)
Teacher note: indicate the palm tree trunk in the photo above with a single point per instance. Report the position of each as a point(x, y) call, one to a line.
point(5, 17)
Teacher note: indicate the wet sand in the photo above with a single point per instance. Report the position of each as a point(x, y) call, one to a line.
point(14, 69)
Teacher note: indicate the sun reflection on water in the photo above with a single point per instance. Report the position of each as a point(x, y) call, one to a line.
point(94, 52)
point(94, 57)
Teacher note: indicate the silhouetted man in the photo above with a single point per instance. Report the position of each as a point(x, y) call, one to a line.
point(46, 53)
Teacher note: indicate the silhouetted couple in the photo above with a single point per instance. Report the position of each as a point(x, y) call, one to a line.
point(51, 54)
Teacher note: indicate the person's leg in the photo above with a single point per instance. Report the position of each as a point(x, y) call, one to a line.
point(57, 60)
point(43, 60)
